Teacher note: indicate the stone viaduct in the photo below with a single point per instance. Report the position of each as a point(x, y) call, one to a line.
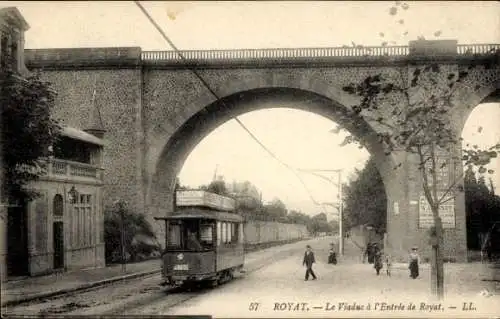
point(155, 111)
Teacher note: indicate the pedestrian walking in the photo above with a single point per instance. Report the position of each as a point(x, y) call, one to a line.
point(308, 262)
point(332, 257)
point(377, 259)
point(413, 261)
point(388, 264)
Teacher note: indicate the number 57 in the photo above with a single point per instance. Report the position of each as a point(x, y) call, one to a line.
point(253, 306)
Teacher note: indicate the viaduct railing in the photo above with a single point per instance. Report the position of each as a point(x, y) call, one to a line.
point(303, 53)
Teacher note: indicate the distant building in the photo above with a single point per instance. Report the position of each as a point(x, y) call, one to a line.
point(64, 227)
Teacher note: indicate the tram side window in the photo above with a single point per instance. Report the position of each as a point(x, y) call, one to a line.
point(206, 234)
point(174, 235)
point(241, 233)
point(234, 232)
point(228, 233)
point(224, 233)
point(219, 233)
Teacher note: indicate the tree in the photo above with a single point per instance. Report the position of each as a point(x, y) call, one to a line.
point(319, 224)
point(247, 196)
point(365, 201)
point(472, 209)
point(297, 217)
point(28, 132)
point(218, 187)
point(139, 237)
point(416, 119)
point(276, 209)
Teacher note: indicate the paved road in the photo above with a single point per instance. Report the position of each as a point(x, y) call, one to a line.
point(145, 293)
point(275, 287)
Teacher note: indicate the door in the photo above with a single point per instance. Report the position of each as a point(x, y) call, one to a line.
point(17, 241)
point(58, 242)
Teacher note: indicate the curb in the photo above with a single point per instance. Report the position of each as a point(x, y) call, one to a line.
point(24, 299)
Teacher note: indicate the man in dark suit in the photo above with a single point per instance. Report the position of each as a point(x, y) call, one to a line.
point(308, 262)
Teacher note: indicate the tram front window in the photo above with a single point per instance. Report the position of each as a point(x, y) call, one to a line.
point(192, 235)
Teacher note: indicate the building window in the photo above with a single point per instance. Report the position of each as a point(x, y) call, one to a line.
point(58, 204)
point(82, 221)
point(5, 51)
point(14, 52)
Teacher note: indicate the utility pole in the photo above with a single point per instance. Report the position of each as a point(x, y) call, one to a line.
point(340, 201)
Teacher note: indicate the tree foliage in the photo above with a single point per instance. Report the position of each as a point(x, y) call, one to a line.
point(217, 187)
point(365, 201)
point(319, 224)
point(28, 132)
point(140, 239)
point(482, 208)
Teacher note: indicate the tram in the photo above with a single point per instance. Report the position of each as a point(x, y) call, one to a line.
point(203, 240)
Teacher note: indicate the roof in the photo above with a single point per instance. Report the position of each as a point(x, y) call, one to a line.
point(14, 16)
point(197, 213)
point(81, 135)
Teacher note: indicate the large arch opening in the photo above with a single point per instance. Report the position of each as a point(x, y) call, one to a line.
point(482, 200)
point(178, 147)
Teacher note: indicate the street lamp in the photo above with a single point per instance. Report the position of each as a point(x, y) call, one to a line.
point(340, 205)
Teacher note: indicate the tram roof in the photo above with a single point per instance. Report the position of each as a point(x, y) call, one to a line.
point(198, 213)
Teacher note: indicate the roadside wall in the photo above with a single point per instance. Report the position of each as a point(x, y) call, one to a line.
point(260, 232)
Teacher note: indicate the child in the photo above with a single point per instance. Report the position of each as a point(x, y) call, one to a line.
point(332, 257)
point(413, 262)
point(388, 264)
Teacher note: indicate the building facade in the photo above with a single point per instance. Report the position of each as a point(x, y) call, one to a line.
point(63, 228)
point(66, 223)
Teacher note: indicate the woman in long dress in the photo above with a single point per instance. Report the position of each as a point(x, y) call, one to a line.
point(413, 261)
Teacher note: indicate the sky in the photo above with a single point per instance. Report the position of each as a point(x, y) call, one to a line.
point(232, 25)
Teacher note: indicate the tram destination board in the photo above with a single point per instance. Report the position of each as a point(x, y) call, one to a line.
point(204, 199)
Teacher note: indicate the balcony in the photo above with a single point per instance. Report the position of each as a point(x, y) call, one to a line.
point(74, 171)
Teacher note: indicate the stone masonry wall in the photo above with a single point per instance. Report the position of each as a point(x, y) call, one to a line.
point(118, 96)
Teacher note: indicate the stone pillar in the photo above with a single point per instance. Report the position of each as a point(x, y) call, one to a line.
point(399, 215)
point(455, 239)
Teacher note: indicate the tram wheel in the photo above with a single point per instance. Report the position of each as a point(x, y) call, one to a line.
point(214, 283)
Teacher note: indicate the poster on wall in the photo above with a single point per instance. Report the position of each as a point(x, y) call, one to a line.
point(446, 212)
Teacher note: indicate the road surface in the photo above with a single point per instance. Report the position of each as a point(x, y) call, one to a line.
point(274, 286)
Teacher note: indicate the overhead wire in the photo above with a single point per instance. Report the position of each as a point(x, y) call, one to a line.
point(207, 86)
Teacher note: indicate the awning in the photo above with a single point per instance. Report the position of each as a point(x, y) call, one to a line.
point(81, 135)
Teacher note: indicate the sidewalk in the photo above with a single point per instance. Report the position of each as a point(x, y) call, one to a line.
point(32, 288)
